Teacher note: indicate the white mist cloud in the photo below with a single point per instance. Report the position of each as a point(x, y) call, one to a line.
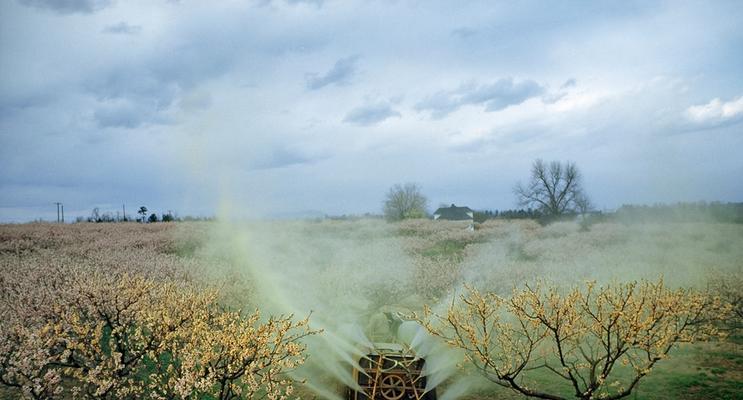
point(716, 111)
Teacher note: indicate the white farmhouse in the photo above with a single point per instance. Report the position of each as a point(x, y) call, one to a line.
point(455, 213)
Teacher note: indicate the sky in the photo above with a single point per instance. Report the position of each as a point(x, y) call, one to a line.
point(293, 108)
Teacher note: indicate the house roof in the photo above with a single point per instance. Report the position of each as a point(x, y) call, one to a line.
point(453, 213)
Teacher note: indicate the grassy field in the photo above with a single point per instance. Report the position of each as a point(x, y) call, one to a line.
point(348, 273)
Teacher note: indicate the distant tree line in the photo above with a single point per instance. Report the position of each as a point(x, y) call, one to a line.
point(682, 212)
point(96, 216)
point(521, 213)
point(676, 212)
point(350, 217)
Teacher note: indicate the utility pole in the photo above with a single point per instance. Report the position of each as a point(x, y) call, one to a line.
point(58, 204)
point(62, 213)
point(123, 210)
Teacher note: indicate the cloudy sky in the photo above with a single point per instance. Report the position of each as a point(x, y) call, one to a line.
point(280, 108)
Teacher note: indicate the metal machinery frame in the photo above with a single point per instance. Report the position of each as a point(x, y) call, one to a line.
point(391, 372)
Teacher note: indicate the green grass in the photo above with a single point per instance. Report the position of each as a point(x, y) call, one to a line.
point(705, 385)
point(699, 371)
point(447, 248)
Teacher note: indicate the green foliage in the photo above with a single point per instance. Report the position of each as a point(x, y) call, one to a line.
point(453, 249)
point(480, 217)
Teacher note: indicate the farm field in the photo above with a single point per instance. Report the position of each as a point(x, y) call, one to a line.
point(347, 276)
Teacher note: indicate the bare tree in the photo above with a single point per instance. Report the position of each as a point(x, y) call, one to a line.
point(95, 215)
point(583, 204)
point(405, 201)
point(554, 188)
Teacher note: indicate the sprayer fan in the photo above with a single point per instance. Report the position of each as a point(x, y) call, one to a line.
point(392, 387)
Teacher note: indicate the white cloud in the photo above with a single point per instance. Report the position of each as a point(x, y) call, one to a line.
point(579, 100)
point(716, 111)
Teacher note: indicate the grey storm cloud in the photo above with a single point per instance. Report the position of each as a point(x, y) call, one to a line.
point(69, 6)
point(207, 54)
point(464, 32)
point(130, 98)
point(125, 114)
point(371, 114)
point(133, 83)
point(316, 3)
point(495, 96)
point(569, 83)
point(126, 117)
point(161, 76)
point(122, 28)
point(552, 97)
point(282, 156)
point(9, 101)
point(340, 74)
point(153, 84)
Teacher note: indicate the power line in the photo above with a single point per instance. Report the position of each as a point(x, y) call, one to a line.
point(58, 204)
